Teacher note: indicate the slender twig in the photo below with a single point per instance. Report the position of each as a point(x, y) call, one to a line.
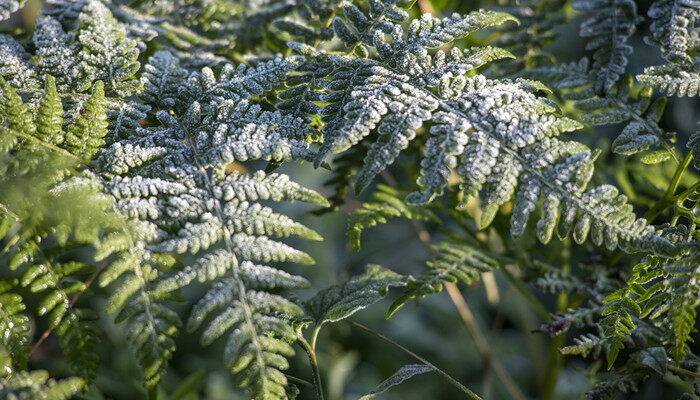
point(464, 311)
point(683, 371)
point(314, 366)
point(481, 343)
point(450, 379)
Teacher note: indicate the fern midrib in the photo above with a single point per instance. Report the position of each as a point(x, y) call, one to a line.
point(242, 295)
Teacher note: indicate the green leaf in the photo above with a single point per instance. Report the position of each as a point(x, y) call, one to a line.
point(340, 301)
point(654, 358)
point(404, 373)
point(656, 157)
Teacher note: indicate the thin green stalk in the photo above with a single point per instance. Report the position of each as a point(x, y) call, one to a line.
point(683, 371)
point(314, 366)
point(667, 200)
point(450, 379)
point(314, 336)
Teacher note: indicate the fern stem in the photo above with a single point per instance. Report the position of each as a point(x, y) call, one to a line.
point(450, 379)
point(314, 336)
point(663, 203)
point(481, 343)
point(683, 371)
point(314, 366)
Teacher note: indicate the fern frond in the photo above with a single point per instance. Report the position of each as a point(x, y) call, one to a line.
point(384, 203)
point(8, 7)
point(587, 344)
point(67, 212)
point(455, 262)
point(32, 385)
point(615, 21)
point(107, 53)
point(341, 301)
point(662, 290)
point(496, 135)
point(618, 105)
point(14, 343)
point(674, 29)
point(150, 325)
point(672, 80)
point(87, 134)
point(56, 52)
point(527, 41)
point(180, 199)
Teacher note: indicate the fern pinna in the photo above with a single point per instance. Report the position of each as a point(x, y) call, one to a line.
point(140, 143)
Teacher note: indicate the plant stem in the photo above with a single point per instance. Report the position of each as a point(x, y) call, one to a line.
point(314, 366)
point(482, 345)
point(663, 203)
point(450, 379)
point(465, 312)
point(298, 380)
point(683, 371)
point(314, 336)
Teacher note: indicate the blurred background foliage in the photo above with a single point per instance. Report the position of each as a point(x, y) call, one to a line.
point(499, 314)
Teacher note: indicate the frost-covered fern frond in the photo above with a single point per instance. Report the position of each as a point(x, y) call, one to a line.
point(455, 262)
point(674, 30)
point(213, 32)
point(171, 180)
point(496, 136)
point(672, 80)
point(7, 7)
point(384, 203)
point(37, 385)
point(642, 131)
point(613, 23)
point(97, 50)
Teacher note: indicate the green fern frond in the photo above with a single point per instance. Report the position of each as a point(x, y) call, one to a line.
point(341, 301)
point(33, 385)
point(454, 262)
point(384, 203)
point(14, 343)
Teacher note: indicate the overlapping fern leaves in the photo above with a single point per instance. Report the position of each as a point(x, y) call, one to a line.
point(497, 136)
point(138, 153)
